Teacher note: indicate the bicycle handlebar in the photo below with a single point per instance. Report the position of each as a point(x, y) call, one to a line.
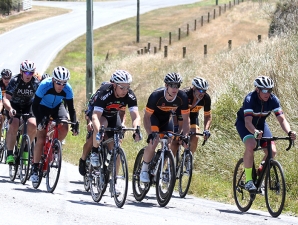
point(25, 116)
point(200, 134)
point(275, 138)
point(120, 129)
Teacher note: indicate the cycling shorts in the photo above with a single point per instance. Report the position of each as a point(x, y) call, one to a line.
point(57, 112)
point(20, 109)
point(158, 125)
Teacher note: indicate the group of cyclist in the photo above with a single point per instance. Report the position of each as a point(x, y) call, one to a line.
point(39, 96)
point(170, 108)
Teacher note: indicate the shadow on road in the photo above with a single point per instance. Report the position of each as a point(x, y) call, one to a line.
point(27, 189)
point(240, 213)
point(79, 192)
point(76, 182)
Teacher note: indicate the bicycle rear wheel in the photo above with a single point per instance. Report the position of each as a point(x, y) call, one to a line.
point(120, 178)
point(275, 189)
point(139, 189)
point(165, 179)
point(54, 166)
point(185, 173)
point(24, 162)
point(242, 197)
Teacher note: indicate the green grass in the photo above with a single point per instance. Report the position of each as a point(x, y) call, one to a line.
point(230, 74)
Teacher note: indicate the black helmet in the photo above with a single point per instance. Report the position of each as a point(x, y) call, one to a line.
point(6, 73)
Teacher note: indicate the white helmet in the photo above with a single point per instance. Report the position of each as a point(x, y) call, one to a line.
point(61, 73)
point(173, 78)
point(264, 82)
point(200, 83)
point(121, 76)
point(27, 66)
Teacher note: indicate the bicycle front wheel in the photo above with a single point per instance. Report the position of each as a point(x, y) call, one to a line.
point(54, 166)
point(275, 189)
point(120, 178)
point(24, 159)
point(1, 150)
point(242, 197)
point(185, 173)
point(165, 179)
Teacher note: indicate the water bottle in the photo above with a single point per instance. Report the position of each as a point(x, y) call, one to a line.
point(261, 168)
point(108, 158)
point(98, 138)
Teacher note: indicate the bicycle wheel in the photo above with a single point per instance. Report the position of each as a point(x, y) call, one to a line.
point(54, 166)
point(24, 162)
point(120, 178)
point(97, 182)
point(1, 150)
point(40, 175)
point(242, 197)
point(185, 173)
point(139, 189)
point(13, 168)
point(275, 189)
point(30, 158)
point(165, 179)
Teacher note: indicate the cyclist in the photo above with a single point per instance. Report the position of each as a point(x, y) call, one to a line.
point(18, 98)
point(251, 122)
point(5, 78)
point(48, 102)
point(88, 115)
point(197, 99)
point(161, 103)
point(114, 97)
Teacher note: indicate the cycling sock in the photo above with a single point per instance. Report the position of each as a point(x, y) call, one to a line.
point(145, 166)
point(9, 152)
point(94, 150)
point(248, 174)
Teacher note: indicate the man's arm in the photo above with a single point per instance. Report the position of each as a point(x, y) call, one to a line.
point(135, 118)
point(284, 123)
point(147, 122)
point(185, 124)
point(122, 117)
point(207, 121)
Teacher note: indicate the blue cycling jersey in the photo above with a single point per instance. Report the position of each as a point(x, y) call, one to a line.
point(1, 94)
point(49, 97)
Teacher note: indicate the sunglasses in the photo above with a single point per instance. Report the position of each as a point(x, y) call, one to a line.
point(123, 87)
point(60, 83)
point(5, 78)
point(28, 73)
point(174, 85)
point(265, 91)
point(201, 90)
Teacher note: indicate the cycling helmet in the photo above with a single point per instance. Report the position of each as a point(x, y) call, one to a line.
point(200, 83)
point(263, 82)
point(61, 73)
point(121, 76)
point(173, 78)
point(27, 66)
point(45, 76)
point(6, 73)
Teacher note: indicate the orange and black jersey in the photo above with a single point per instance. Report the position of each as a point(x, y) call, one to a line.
point(159, 106)
point(195, 107)
point(107, 103)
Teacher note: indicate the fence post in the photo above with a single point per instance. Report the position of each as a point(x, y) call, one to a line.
point(170, 38)
point(259, 38)
point(148, 47)
point(145, 49)
point(184, 52)
point(179, 34)
point(195, 27)
point(159, 47)
point(225, 8)
point(214, 14)
point(234, 2)
point(219, 11)
point(138, 52)
point(142, 51)
point(230, 44)
point(187, 30)
point(208, 17)
point(166, 52)
point(230, 4)
point(202, 20)
point(19, 7)
point(155, 50)
point(205, 51)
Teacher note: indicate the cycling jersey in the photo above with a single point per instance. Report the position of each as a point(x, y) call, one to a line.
point(258, 109)
point(162, 109)
point(205, 103)
point(107, 103)
point(22, 93)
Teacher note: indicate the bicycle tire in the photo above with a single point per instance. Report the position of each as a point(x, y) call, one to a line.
point(97, 181)
point(13, 168)
point(165, 184)
point(5, 152)
point(1, 150)
point(242, 197)
point(40, 175)
point(54, 166)
point(120, 178)
point(30, 157)
point(185, 172)
point(139, 189)
point(275, 189)
point(24, 163)
point(86, 182)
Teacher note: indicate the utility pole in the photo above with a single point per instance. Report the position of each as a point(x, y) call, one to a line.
point(90, 79)
point(138, 21)
point(216, 2)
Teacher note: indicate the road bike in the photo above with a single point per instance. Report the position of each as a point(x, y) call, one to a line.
point(23, 145)
point(161, 169)
point(184, 166)
point(3, 149)
point(51, 159)
point(114, 173)
point(270, 180)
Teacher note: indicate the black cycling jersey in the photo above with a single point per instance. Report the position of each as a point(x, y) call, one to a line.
point(162, 109)
point(107, 103)
point(22, 93)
